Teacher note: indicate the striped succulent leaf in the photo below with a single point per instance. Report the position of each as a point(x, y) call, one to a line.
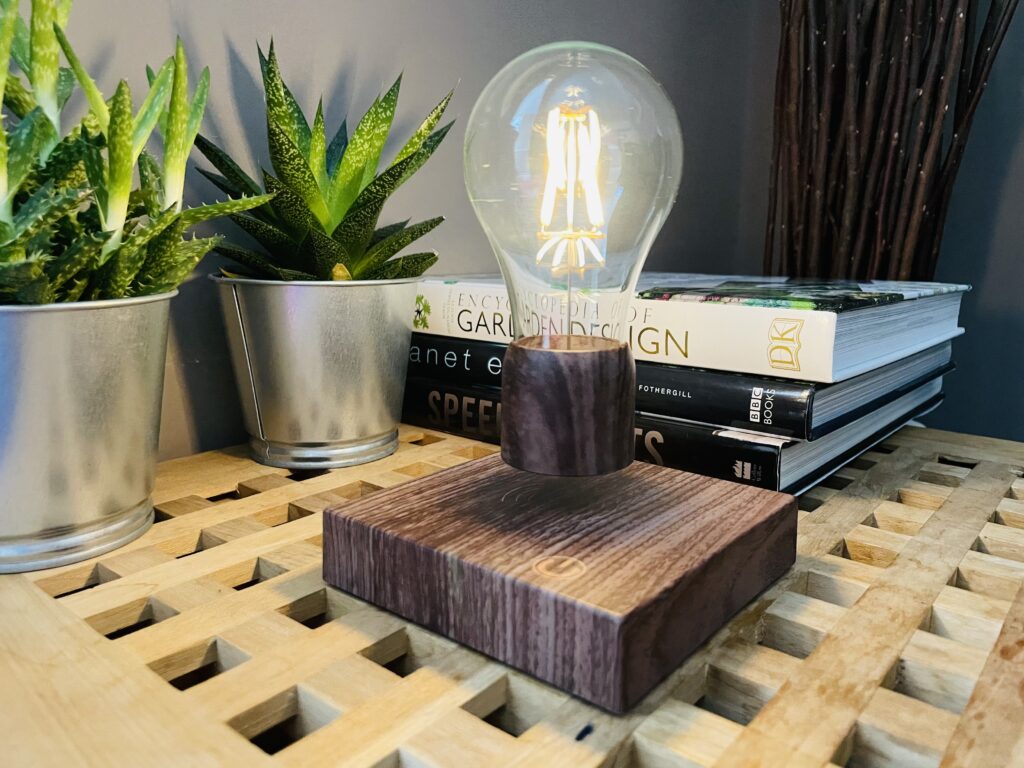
point(282, 108)
point(164, 271)
point(239, 179)
point(291, 167)
point(358, 166)
point(413, 265)
point(377, 254)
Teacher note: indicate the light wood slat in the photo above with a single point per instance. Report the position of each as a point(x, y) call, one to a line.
point(820, 703)
point(906, 654)
point(70, 697)
point(1010, 512)
point(990, 732)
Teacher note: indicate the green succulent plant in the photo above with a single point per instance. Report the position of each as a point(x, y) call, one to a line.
point(73, 223)
point(328, 195)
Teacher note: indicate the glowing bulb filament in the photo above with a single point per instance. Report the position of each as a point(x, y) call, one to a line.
point(573, 152)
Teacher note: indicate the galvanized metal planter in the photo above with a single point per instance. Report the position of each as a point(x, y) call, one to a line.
point(80, 392)
point(320, 367)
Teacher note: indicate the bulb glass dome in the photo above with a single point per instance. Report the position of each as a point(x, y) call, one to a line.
point(573, 157)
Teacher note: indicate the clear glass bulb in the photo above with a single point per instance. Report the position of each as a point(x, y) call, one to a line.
point(573, 157)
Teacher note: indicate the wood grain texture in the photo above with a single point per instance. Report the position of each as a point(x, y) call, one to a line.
point(568, 405)
point(600, 585)
point(250, 640)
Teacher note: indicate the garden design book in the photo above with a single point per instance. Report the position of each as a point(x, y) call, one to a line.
point(795, 329)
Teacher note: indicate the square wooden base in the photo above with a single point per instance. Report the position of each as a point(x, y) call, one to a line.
point(600, 585)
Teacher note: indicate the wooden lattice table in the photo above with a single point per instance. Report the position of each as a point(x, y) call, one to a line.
point(898, 638)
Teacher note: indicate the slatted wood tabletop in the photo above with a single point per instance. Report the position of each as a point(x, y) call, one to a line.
point(897, 639)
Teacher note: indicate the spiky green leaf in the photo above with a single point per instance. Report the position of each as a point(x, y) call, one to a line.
point(152, 106)
point(97, 104)
point(359, 163)
point(357, 227)
point(82, 254)
point(270, 237)
point(18, 98)
point(120, 163)
point(129, 258)
point(389, 246)
point(423, 132)
point(318, 150)
point(165, 272)
point(261, 265)
point(45, 207)
point(198, 108)
point(151, 183)
point(192, 216)
point(223, 163)
point(336, 149)
point(282, 108)
point(24, 146)
point(413, 265)
point(325, 253)
point(44, 59)
point(291, 167)
point(431, 144)
point(290, 210)
point(387, 231)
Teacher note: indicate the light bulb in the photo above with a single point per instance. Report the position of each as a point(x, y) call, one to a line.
point(573, 157)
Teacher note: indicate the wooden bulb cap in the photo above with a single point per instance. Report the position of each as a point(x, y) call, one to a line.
point(568, 405)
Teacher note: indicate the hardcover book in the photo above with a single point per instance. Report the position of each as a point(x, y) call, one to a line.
point(769, 405)
point(766, 461)
point(808, 331)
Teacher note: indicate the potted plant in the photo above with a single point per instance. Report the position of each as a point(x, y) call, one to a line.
point(88, 263)
point(319, 318)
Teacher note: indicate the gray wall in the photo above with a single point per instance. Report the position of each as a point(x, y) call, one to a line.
point(717, 63)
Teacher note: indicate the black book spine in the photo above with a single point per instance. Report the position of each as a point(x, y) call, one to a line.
point(475, 411)
point(759, 404)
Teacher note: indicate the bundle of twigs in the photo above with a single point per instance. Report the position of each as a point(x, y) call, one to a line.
point(874, 100)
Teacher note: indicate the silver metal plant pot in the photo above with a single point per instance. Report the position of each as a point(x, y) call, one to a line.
point(80, 392)
point(320, 367)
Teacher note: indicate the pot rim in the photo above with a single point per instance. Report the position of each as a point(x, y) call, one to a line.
point(311, 283)
point(82, 306)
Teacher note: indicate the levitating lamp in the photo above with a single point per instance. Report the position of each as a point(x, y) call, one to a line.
point(568, 560)
point(573, 158)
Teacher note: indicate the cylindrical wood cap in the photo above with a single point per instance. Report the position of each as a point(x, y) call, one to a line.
point(568, 405)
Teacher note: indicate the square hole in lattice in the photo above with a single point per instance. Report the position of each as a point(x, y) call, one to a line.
point(527, 702)
point(427, 440)
point(75, 582)
point(226, 496)
point(356, 490)
point(308, 714)
point(409, 650)
point(807, 503)
point(862, 463)
point(884, 448)
point(475, 452)
point(219, 657)
point(957, 461)
point(835, 482)
point(150, 614)
point(318, 608)
point(419, 469)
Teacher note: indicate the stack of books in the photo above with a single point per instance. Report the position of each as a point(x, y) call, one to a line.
point(766, 381)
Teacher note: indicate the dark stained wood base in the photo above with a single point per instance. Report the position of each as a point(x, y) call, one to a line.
point(600, 586)
point(567, 405)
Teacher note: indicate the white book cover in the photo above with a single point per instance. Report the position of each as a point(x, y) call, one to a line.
point(769, 326)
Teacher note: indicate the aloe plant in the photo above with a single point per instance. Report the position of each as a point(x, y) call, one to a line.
point(328, 195)
point(73, 223)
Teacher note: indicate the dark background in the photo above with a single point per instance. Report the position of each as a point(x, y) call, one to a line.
point(717, 62)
